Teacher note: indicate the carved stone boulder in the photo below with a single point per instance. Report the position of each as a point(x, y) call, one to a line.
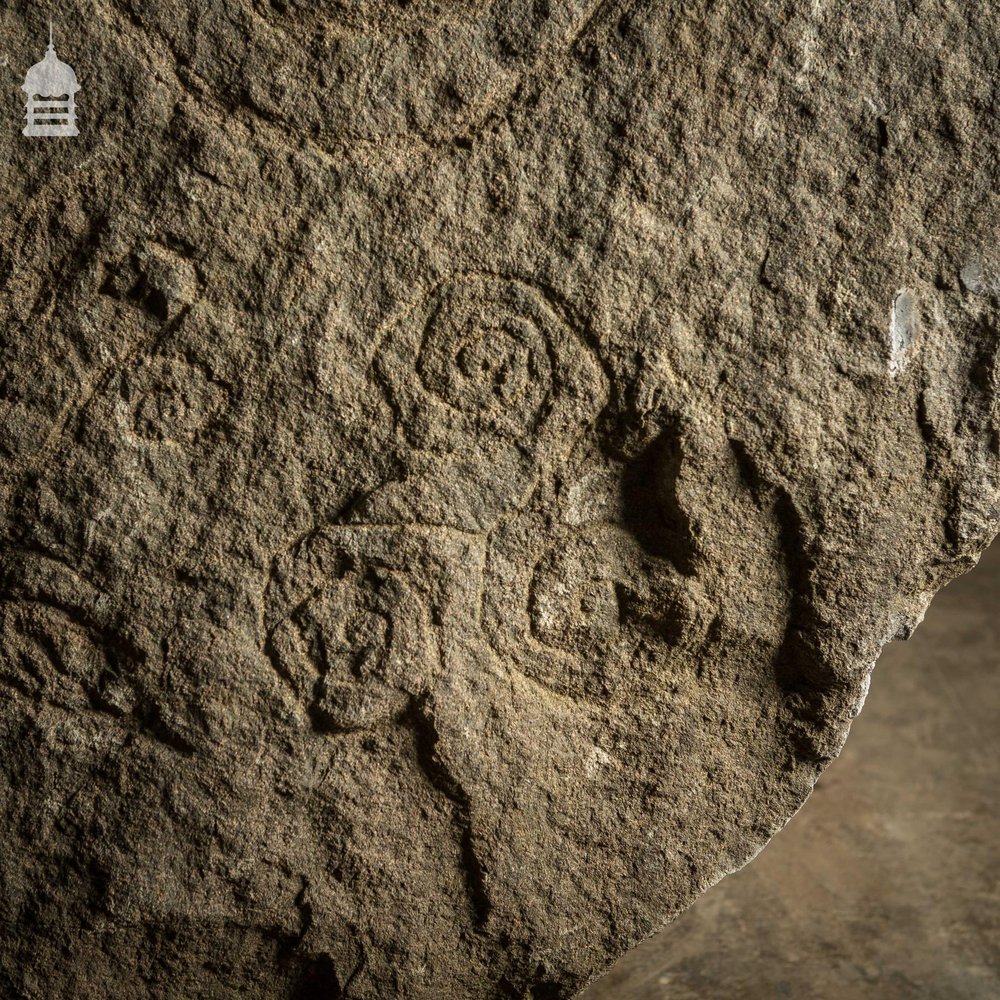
point(460, 463)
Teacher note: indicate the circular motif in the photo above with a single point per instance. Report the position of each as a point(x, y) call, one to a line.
point(487, 361)
point(174, 400)
point(48, 656)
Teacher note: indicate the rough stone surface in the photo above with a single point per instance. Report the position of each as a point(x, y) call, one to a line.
point(886, 885)
point(460, 464)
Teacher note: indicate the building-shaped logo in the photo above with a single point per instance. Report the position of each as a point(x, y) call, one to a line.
point(51, 87)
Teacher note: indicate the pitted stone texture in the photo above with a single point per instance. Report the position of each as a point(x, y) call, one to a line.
point(460, 464)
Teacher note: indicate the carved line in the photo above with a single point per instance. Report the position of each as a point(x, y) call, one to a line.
point(440, 778)
point(466, 129)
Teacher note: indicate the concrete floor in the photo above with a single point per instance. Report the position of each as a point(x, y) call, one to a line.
point(886, 886)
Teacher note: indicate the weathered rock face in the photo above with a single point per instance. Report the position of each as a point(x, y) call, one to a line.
point(460, 464)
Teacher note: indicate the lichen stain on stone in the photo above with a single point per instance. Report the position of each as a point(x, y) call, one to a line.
point(904, 325)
